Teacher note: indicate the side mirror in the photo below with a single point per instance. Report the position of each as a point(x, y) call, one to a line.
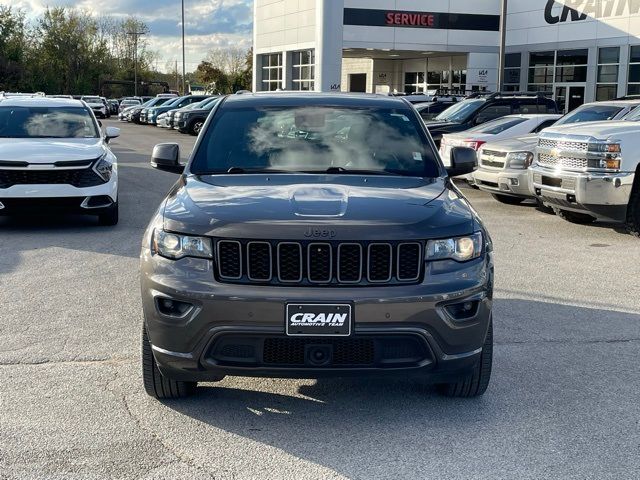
point(111, 132)
point(463, 161)
point(166, 157)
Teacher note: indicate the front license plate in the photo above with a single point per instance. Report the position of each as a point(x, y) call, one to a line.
point(306, 319)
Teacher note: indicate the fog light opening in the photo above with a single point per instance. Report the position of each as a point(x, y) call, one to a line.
point(571, 198)
point(514, 182)
point(172, 308)
point(464, 310)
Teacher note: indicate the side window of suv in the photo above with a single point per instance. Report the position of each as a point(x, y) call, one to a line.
point(492, 112)
point(534, 107)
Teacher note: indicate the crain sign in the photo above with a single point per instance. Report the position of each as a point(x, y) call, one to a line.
point(320, 319)
point(577, 10)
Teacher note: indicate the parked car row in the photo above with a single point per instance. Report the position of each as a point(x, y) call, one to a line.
point(186, 114)
point(572, 165)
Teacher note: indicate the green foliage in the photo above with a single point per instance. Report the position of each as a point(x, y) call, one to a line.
point(226, 70)
point(69, 51)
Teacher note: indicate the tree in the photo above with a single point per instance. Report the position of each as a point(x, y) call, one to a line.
point(227, 69)
point(13, 48)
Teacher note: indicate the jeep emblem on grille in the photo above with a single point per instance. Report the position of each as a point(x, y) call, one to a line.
point(315, 232)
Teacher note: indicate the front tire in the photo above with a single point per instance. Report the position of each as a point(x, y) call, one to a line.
point(155, 384)
point(633, 211)
point(507, 199)
point(109, 217)
point(195, 127)
point(475, 384)
point(574, 217)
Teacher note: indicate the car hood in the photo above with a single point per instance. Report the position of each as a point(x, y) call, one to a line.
point(285, 206)
point(95, 104)
point(50, 150)
point(524, 143)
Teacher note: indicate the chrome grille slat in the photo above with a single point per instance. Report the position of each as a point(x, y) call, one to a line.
point(308, 263)
point(573, 163)
point(575, 146)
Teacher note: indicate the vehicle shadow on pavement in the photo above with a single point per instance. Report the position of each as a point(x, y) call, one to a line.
point(543, 388)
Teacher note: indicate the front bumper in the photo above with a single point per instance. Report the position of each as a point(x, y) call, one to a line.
point(59, 197)
point(249, 318)
point(503, 182)
point(602, 195)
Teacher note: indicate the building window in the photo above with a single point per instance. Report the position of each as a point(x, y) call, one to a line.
point(634, 71)
point(541, 65)
point(512, 72)
point(414, 82)
point(303, 70)
point(271, 71)
point(571, 65)
point(608, 66)
point(563, 66)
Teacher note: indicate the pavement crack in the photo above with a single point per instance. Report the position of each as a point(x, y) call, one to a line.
point(180, 457)
point(96, 361)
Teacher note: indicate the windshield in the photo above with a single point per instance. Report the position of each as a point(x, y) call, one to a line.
point(46, 122)
point(315, 139)
point(92, 99)
point(460, 111)
point(498, 126)
point(590, 113)
point(130, 102)
point(633, 115)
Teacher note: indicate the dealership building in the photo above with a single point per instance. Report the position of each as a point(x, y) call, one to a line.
point(577, 50)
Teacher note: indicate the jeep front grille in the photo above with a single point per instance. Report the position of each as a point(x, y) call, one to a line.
point(313, 263)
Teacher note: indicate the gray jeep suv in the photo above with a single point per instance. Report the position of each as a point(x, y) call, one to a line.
point(313, 235)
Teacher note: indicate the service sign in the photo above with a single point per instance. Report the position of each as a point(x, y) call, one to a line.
point(411, 19)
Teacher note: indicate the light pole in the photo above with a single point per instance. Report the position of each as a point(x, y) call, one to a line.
point(135, 60)
point(183, 59)
point(503, 41)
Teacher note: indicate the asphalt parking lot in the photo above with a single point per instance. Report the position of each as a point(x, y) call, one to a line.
point(563, 400)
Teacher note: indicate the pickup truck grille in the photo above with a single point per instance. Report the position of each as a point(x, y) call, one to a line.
point(493, 159)
point(569, 163)
point(564, 145)
point(78, 177)
point(319, 263)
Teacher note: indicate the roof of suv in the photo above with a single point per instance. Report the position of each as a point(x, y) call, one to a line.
point(39, 102)
point(621, 103)
point(318, 98)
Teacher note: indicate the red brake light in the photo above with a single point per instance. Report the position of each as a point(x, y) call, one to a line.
point(475, 144)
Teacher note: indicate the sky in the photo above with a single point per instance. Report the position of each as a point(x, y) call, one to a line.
point(208, 23)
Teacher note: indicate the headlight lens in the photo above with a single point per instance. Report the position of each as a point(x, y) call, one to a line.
point(460, 249)
point(521, 160)
point(176, 246)
point(104, 168)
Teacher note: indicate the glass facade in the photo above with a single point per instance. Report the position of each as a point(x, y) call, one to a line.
point(561, 66)
point(303, 70)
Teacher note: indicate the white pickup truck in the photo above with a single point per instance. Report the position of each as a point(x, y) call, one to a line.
point(589, 172)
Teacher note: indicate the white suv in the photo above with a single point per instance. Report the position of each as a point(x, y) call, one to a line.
point(53, 156)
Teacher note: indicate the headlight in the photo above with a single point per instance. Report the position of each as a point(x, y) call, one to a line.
point(460, 249)
point(521, 160)
point(176, 246)
point(104, 168)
